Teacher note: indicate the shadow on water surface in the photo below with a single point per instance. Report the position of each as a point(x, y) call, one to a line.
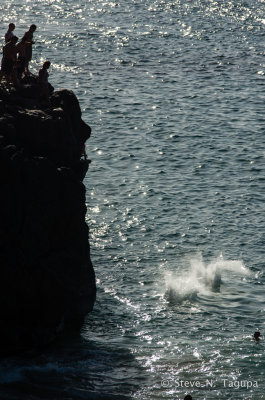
point(74, 367)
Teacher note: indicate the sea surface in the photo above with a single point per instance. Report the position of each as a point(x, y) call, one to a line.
point(174, 93)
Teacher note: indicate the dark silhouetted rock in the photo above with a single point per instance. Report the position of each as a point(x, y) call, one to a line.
point(47, 280)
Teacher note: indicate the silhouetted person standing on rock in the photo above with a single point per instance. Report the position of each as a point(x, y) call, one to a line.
point(21, 50)
point(9, 34)
point(9, 61)
point(29, 39)
point(43, 81)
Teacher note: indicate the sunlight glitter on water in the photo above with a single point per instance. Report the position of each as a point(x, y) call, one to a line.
point(174, 93)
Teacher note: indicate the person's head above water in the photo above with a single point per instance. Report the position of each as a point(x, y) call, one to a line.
point(256, 335)
point(11, 27)
point(188, 397)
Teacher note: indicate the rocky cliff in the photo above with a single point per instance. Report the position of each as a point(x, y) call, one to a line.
point(47, 281)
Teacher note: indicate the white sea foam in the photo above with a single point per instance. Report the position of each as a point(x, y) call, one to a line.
point(201, 278)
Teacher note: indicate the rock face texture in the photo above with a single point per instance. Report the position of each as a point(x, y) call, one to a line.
point(47, 281)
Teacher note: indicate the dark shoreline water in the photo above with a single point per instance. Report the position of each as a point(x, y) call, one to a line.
point(72, 368)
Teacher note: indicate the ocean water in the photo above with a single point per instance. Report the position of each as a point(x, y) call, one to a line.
point(174, 93)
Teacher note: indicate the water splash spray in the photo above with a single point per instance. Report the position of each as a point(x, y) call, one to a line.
point(201, 278)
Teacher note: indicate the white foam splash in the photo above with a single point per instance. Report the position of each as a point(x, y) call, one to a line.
point(201, 278)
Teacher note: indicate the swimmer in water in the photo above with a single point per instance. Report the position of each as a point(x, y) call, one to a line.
point(256, 335)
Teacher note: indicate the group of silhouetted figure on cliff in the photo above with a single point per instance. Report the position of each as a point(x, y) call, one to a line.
point(16, 59)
